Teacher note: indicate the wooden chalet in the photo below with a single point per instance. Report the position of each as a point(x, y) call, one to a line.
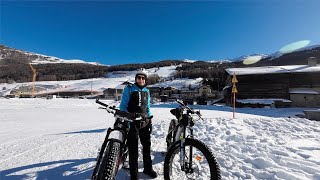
point(298, 83)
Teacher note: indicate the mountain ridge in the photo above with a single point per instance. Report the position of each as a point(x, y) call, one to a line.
point(14, 65)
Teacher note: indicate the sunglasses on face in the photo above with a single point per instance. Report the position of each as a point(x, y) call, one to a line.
point(141, 77)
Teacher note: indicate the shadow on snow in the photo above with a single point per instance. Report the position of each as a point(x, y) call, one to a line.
point(67, 169)
point(87, 131)
point(64, 169)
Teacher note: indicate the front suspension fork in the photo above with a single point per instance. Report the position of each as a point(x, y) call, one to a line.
point(185, 166)
point(191, 151)
point(182, 154)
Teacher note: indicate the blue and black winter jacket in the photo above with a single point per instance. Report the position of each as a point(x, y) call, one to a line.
point(136, 100)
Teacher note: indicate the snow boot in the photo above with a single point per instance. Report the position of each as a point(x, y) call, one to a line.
point(134, 176)
point(150, 172)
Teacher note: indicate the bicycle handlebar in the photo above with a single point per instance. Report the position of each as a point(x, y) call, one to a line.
point(103, 104)
point(188, 108)
point(121, 114)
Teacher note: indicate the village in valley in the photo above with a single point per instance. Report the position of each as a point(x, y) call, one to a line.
point(258, 87)
point(174, 90)
point(275, 106)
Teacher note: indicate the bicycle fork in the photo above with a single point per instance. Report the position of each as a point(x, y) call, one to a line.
point(185, 166)
point(182, 154)
point(189, 165)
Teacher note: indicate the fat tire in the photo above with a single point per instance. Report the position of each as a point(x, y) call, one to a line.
point(214, 167)
point(107, 164)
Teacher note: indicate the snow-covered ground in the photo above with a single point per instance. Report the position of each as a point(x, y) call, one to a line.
point(269, 101)
point(59, 138)
point(273, 69)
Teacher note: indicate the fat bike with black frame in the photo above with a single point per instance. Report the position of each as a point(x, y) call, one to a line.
point(187, 157)
point(114, 150)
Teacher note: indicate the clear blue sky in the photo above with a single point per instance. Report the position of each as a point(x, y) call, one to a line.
point(128, 32)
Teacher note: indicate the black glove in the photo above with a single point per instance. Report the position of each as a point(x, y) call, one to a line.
point(146, 122)
point(136, 115)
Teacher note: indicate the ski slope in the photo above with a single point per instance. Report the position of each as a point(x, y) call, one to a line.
point(98, 84)
point(59, 139)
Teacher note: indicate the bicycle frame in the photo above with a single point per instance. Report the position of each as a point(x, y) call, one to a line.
point(118, 133)
point(181, 135)
point(180, 139)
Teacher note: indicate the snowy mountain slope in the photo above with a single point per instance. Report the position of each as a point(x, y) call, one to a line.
point(59, 138)
point(268, 57)
point(98, 84)
point(220, 61)
point(241, 58)
point(179, 83)
point(165, 72)
point(35, 58)
point(299, 56)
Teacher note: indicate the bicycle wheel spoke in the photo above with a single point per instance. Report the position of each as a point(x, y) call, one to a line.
point(199, 165)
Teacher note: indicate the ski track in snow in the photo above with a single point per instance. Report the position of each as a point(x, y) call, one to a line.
point(60, 138)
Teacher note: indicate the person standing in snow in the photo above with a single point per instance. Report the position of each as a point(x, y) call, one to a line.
point(136, 99)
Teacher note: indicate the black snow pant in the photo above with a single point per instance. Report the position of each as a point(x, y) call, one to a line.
point(144, 134)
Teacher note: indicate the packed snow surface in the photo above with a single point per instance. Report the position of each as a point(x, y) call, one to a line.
point(303, 91)
point(261, 101)
point(273, 69)
point(59, 139)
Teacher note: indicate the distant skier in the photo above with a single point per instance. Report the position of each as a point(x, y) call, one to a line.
point(136, 99)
